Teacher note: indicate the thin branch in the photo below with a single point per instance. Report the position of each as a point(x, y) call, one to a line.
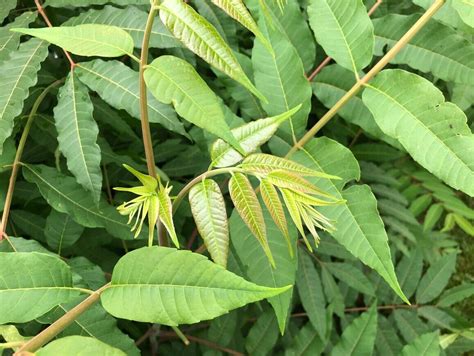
point(46, 19)
point(204, 342)
point(19, 152)
point(374, 71)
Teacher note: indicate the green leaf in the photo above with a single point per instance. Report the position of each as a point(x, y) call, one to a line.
point(420, 204)
point(310, 290)
point(257, 266)
point(61, 231)
point(432, 216)
point(409, 324)
point(165, 213)
point(263, 335)
point(7, 6)
point(174, 81)
point(436, 48)
point(465, 8)
point(409, 271)
point(376, 152)
point(359, 227)
point(247, 205)
point(435, 279)
point(80, 3)
point(117, 85)
point(280, 75)
point(86, 40)
point(78, 345)
point(456, 294)
point(425, 345)
point(129, 19)
point(9, 41)
point(306, 343)
point(209, 212)
point(344, 30)
point(19, 74)
point(66, 196)
point(352, 276)
point(172, 287)
point(77, 134)
point(32, 283)
point(359, 337)
point(464, 224)
point(387, 341)
point(250, 137)
point(204, 40)
point(448, 146)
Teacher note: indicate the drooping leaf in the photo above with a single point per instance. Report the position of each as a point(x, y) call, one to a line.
point(280, 75)
point(436, 48)
point(32, 283)
point(9, 40)
point(117, 85)
point(247, 205)
point(226, 27)
point(351, 276)
point(174, 287)
point(19, 74)
point(204, 40)
point(425, 345)
point(86, 40)
point(61, 231)
point(344, 30)
point(358, 226)
point(77, 135)
point(77, 345)
point(258, 268)
point(209, 212)
point(263, 335)
point(436, 278)
point(448, 149)
point(250, 137)
point(129, 19)
point(66, 196)
point(174, 81)
point(358, 338)
point(310, 290)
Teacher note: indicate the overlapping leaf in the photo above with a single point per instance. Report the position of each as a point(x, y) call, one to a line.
point(436, 278)
point(61, 231)
point(174, 287)
point(80, 3)
point(75, 345)
point(9, 40)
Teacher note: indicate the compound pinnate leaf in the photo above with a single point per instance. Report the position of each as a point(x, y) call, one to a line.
point(78, 345)
point(209, 212)
point(32, 283)
point(204, 40)
point(424, 345)
point(86, 40)
point(174, 81)
point(344, 30)
point(448, 151)
point(173, 287)
point(77, 134)
point(250, 137)
point(247, 205)
point(19, 74)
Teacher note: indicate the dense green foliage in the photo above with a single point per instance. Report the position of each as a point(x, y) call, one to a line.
point(166, 163)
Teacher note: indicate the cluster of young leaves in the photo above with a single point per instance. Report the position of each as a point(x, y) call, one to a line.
point(235, 71)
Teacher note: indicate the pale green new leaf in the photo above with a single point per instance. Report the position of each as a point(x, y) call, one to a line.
point(174, 81)
point(173, 287)
point(448, 144)
point(436, 48)
point(310, 290)
point(61, 231)
point(19, 74)
point(209, 212)
point(250, 137)
point(258, 268)
point(130, 19)
point(280, 75)
point(204, 40)
point(32, 283)
point(66, 196)
point(165, 213)
point(435, 279)
point(359, 337)
point(9, 40)
point(465, 9)
point(424, 345)
point(358, 226)
point(344, 30)
point(86, 40)
point(77, 134)
point(117, 84)
point(247, 205)
point(432, 216)
point(78, 345)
